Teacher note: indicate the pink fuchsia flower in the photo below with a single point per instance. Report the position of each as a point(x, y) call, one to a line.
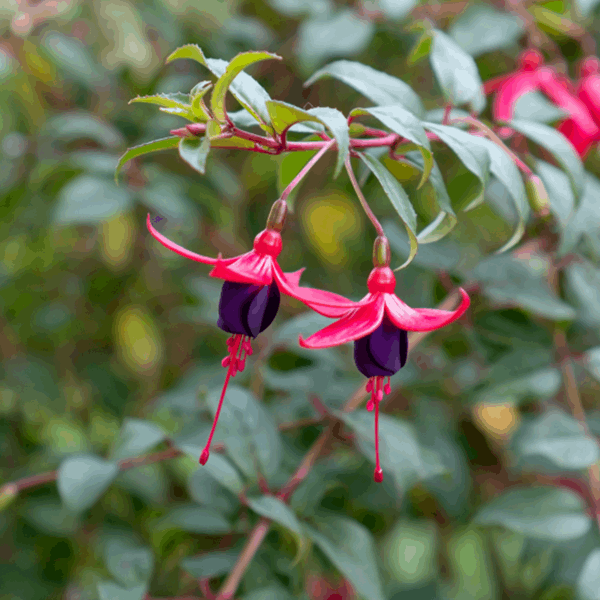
point(579, 128)
point(323, 588)
point(509, 88)
point(251, 294)
point(588, 88)
point(379, 325)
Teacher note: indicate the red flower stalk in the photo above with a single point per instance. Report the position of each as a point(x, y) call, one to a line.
point(251, 293)
point(378, 326)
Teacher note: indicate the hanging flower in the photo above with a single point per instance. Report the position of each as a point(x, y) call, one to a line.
point(378, 326)
point(579, 128)
point(251, 293)
point(509, 88)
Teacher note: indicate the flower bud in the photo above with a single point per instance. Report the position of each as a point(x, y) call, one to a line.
point(537, 195)
point(276, 219)
point(381, 252)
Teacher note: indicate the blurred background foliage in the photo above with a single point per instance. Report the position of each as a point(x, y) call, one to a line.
point(110, 349)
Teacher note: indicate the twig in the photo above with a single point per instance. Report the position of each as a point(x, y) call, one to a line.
point(363, 200)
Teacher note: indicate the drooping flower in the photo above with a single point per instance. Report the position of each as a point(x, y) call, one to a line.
point(378, 326)
point(251, 293)
point(509, 88)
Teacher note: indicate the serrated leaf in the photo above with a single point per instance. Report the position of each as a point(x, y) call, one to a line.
point(349, 546)
point(284, 115)
point(456, 72)
point(83, 479)
point(155, 146)
point(211, 564)
point(111, 591)
point(129, 563)
point(469, 153)
point(136, 437)
point(275, 509)
point(248, 92)
point(403, 123)
point(194, 152)
point(199, 109)
point(176, 100)
point(399, 200)
point(559, 146)
point(380, 88)
point(195, 519)
point(234, 68)
point(545, 513)
point(558, 438)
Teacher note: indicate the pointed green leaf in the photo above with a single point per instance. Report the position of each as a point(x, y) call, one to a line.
point(404, 123)
point(275, 509)
point(195, 519)
point(176, 100)
point(199, 109)
point(234, 68)
point(194, 152)
point(380, 88)
point(155, 146)
point(284, 115)
point(456, 72)
point(83, 479)
point(136, 437)
point(559, 146)
point(129, 563)
point(588, 582)
point(468, 151)
point(211, 564)
point(545, 513)
point(350, 547)
point(399, 200)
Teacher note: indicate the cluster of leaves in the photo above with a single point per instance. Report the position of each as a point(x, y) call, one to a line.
point(110, 352)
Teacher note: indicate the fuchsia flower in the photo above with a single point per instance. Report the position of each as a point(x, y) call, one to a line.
point(588, 89)
point(251, 293)
point(378, 326)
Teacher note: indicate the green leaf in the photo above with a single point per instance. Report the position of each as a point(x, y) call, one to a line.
point(380, 88)
point(469, 152)
point(481, 29)
point(350, 547)
point(234, 68)
point(273, 592)
point(545, 513)
point(111, 591)
point(205, 489)
point(248, 92)
point(129, 563)
point(397, 9)
point(399, 200)
point(559, 146)
point(558, 438)
point(199, 109)
point(51, 517)
point(83, 479)
point(533, 106)
point(583, 281)
point(195, 519)
point(588, 582)
point(342, 33)
point(503, 167)
point(422, 48)
point(456, 72)
point(176, 100)
point(135, 438)
point(194, 151)
point(79, 125)
point(403, 123)
point(275, 509)
point(155, 146)
point(90, 199)
point(560, 193)
point(586, 7)
point(250, 435)
point(211, 564)
point(518, 282)
point(337, 124)
point(284, 115)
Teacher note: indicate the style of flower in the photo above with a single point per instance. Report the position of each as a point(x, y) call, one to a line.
point(379, 325)
point(250, 295)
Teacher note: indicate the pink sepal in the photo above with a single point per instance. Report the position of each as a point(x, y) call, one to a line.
point(422, 319)
point(508, 94)
point(354, 325)
point(251, 267)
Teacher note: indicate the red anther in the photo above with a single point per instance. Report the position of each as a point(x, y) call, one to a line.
point(225, 362)
point(241, 364)
point(387, 388)
point(369, 387)
point(378, 396)
point(370, 405)
point(230, 341)
point(204, 456)
point(378, 475)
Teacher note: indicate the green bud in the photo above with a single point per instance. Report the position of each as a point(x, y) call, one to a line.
point(381, 252)
point(276, 219)
point(537, 195)
point(8, 493)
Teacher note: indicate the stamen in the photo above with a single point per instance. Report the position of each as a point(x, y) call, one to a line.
point(378, 474)
point(230, 361)
point(388, 388)
point(369, 387)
